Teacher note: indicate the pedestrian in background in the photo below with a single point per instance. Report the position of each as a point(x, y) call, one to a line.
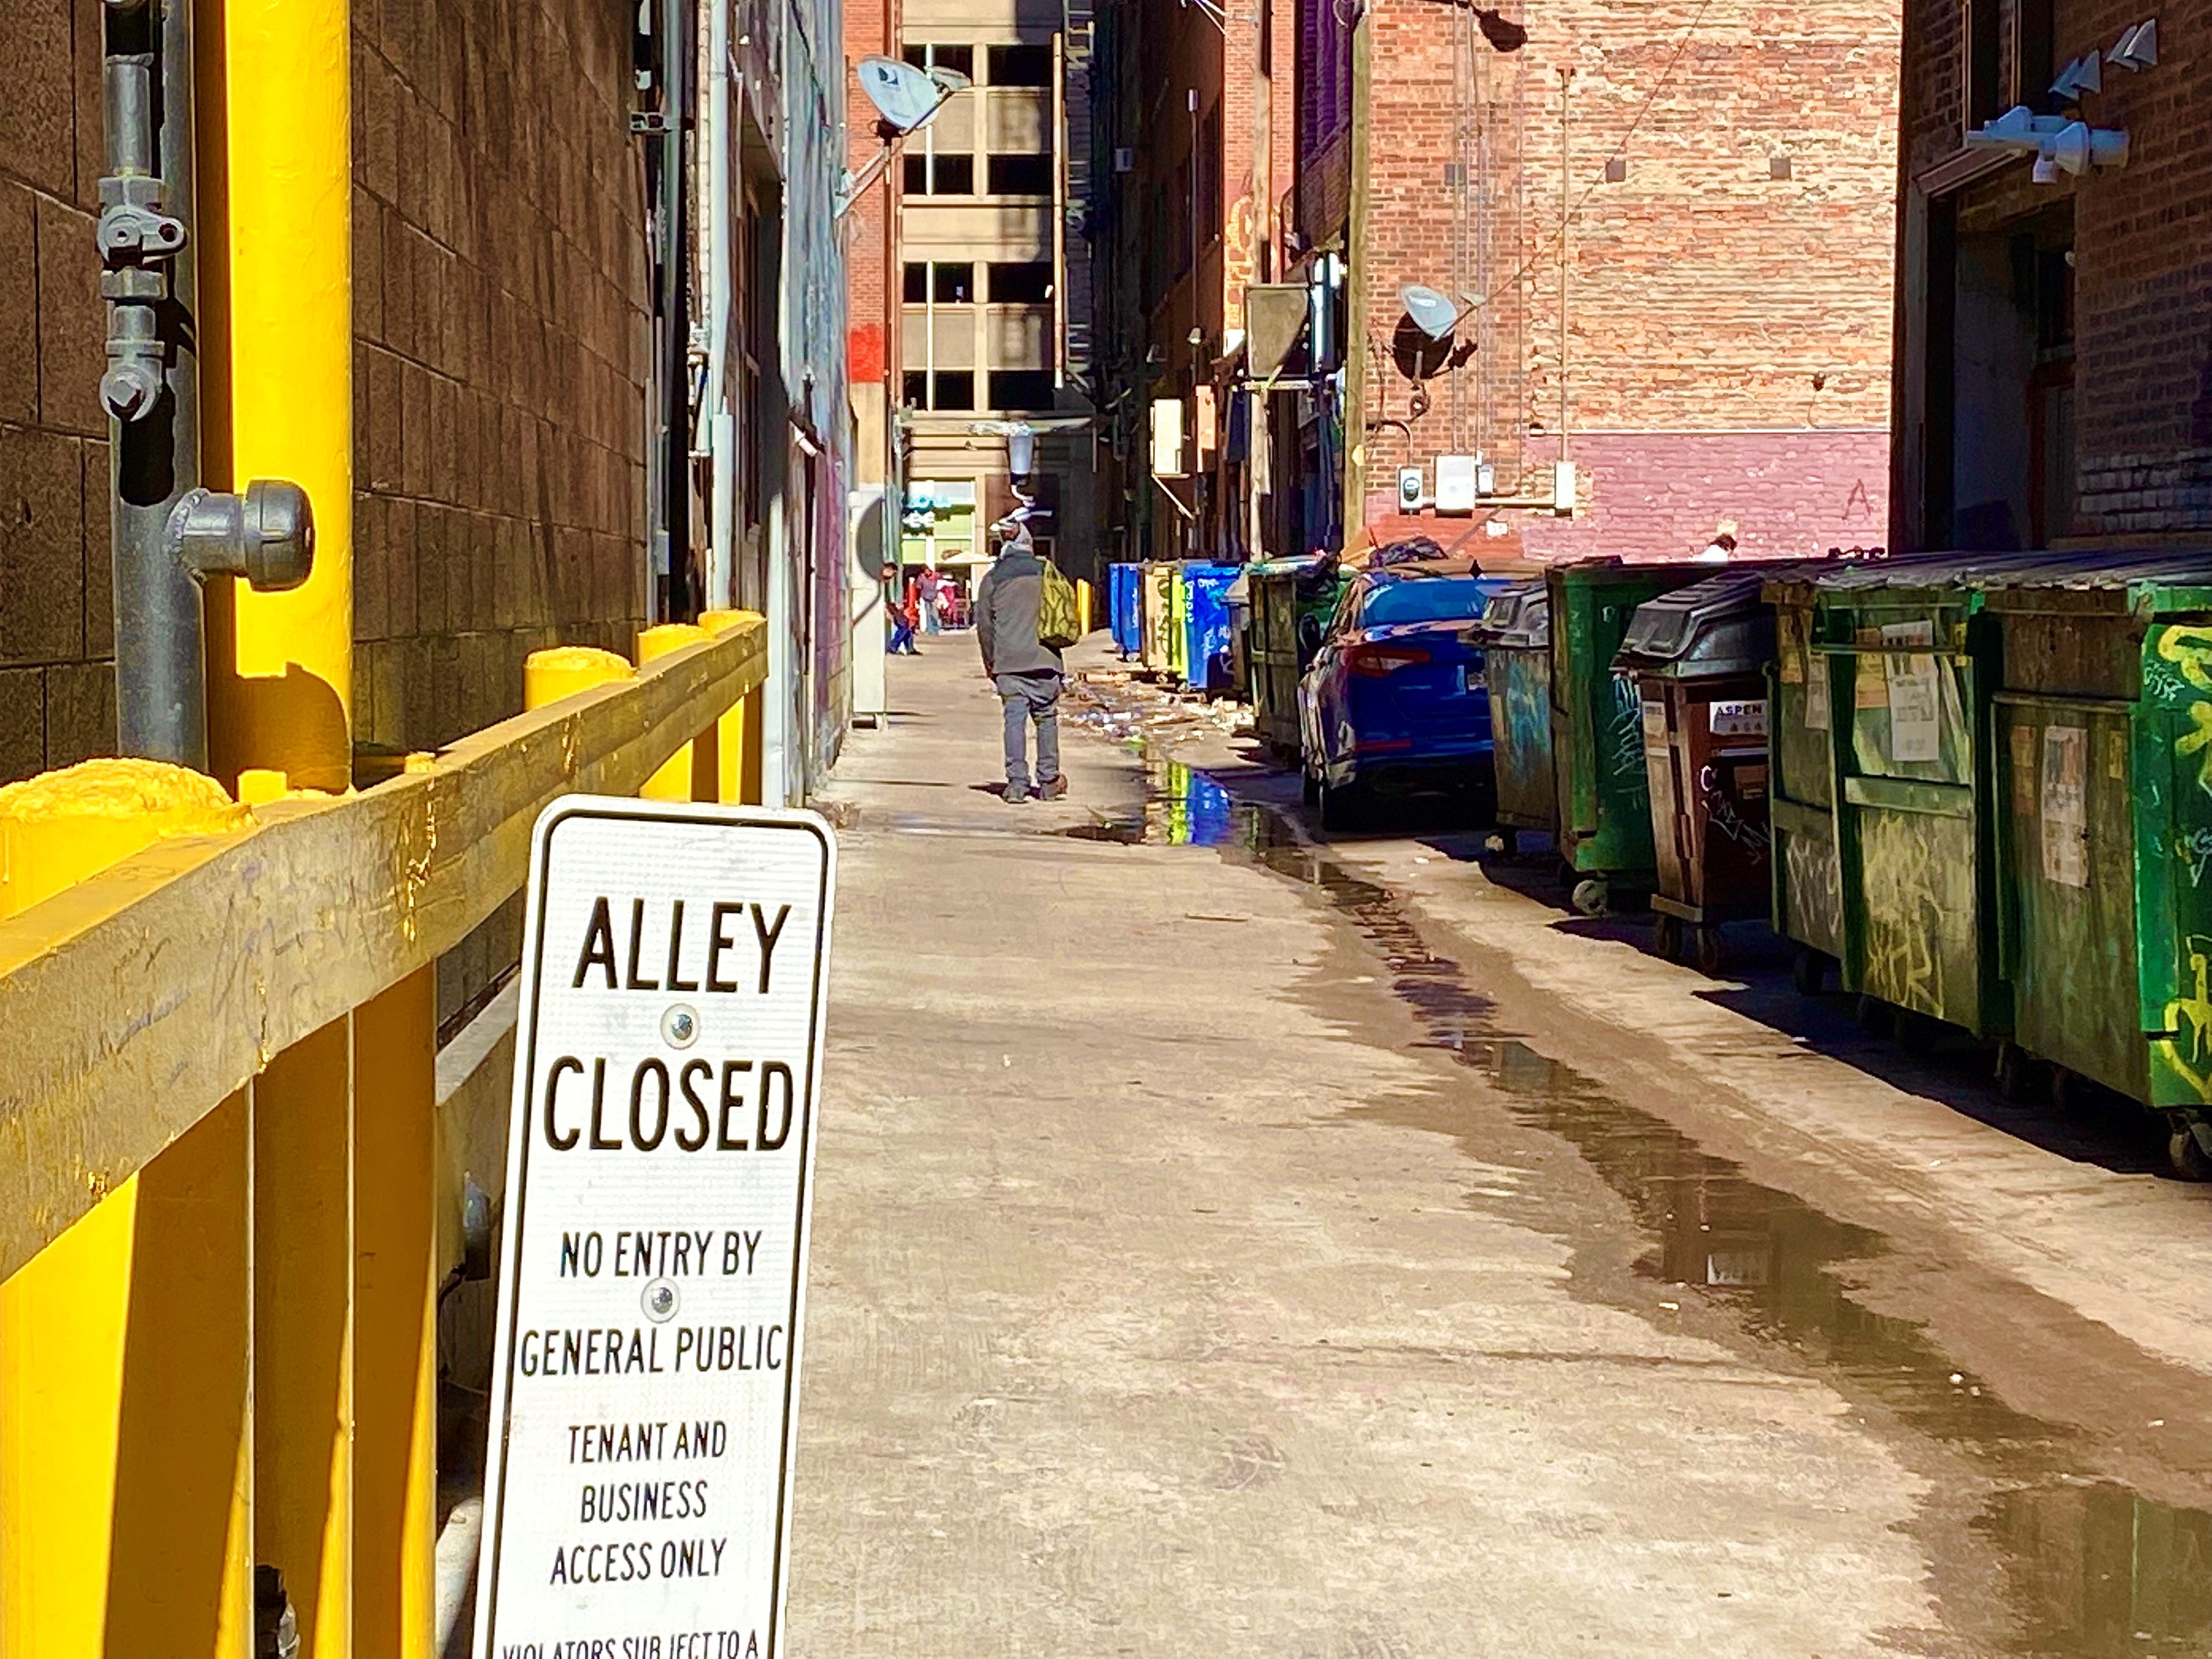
point(1025, 671)
point(895, 613)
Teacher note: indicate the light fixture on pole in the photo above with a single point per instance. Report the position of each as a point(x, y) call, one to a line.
point(907, 98)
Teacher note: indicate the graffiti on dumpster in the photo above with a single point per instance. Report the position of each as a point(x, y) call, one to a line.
point(2195, 850)
point(1722, 819)
point(1910, 873)
point(2198, 742)
point(2189, 1017)
point(1623, 738)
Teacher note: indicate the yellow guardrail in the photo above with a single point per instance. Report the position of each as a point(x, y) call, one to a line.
point(204, 1366)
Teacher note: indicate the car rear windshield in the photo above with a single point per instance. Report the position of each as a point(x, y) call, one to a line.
point(1426, 599)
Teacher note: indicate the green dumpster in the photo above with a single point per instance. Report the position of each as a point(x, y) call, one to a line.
point(1807, 902)
point(1604, 822)
point(1514, 636)
point(1291, 600)
point(1913, 660)
point(2102, 724)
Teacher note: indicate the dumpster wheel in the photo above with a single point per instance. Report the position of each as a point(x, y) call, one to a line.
point(1593, 895)
point(1666, 936)
point(1809, 971)
point(1711, 953)
point(2186, 1153)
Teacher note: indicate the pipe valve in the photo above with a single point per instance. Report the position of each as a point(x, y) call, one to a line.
point(266, 535)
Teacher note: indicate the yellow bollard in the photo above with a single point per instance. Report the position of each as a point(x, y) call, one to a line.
point(691, 772)
point(738, 734)
point(562, 670)
point(121, 1531)
point(1083, 605)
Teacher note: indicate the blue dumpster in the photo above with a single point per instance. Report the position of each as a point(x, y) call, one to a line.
point(1207, 665)
point(1125, 609)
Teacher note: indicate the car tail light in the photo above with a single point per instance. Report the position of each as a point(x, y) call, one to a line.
point(1379, 662)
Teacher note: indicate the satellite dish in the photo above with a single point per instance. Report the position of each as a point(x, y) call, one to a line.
point(906, 95)
point(1432, 312)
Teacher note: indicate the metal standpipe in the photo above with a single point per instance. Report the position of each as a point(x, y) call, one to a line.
point(169, 535)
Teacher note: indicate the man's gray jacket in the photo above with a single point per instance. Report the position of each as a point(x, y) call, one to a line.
point(1006, 617)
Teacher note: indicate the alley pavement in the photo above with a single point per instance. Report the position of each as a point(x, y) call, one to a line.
point(1213, 1258)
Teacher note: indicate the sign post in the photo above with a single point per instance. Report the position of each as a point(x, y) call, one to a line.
point(652, 1283)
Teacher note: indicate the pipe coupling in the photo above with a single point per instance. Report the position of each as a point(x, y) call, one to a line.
point(266, 535)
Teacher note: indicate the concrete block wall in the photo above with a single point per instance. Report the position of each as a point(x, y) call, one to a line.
point(1707, 297)
point(57, 617)
point(500, 293)
point(498, 273)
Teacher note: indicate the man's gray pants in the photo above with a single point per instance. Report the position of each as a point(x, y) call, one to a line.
point(1030, 698)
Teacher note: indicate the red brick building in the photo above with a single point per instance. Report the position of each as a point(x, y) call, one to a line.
point(1678, 219)
point(2055, 338)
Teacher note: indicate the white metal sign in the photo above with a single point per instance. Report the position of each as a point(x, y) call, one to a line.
point(652, 1283)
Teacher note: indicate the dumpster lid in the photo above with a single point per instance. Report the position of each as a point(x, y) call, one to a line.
point(1927, 571)
point(2135, 581)
point(1713, 626)
point(1518, 616)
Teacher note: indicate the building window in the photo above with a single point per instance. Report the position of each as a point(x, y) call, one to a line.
point(934, 174)
point(1025, 284)
point(1020, 66)
point(1984, 93)
point(1021, 388)
point(2034, 55)
point(1021, 175)
point(959, 59)
point(948, 388)
point(955, 285)
point(917, 284)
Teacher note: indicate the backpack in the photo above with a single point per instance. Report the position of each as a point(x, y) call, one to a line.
point(1057, 625)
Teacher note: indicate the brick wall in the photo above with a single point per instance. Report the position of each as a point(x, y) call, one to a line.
point(1705, 296)
point(2142, 256)
point(500, 281)
point(56, 619)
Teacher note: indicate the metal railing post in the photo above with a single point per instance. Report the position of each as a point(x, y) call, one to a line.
point(691, 772)
point(738, 733)
point(126, 1447)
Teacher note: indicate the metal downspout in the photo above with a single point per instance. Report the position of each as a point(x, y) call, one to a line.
point(721, 147)
point(168, 535)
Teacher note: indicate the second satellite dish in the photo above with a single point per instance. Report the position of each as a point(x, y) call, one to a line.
point(1432, 312)
point(907, 96)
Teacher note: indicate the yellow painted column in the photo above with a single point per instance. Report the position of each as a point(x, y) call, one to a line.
point(119, 1534)
point(280, 706)
point(738, 733)
point(277, 270)
point(395, 1321)
point(691, 772)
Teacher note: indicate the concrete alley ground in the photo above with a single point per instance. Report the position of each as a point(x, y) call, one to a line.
point(1272, 1249)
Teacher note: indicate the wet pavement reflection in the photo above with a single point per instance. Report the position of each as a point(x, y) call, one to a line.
point(2092, 1570)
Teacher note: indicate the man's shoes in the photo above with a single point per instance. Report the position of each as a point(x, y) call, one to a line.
point(1052, 789)
point(1016, 796)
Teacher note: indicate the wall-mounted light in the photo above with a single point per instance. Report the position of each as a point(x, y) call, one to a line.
point(2137, 48)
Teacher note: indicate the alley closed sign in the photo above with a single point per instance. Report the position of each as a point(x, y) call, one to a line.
point(668, 1051)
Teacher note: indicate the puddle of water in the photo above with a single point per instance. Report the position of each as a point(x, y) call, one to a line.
point(2095, 1571)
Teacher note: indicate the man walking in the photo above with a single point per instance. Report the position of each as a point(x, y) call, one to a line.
point(1025, 671)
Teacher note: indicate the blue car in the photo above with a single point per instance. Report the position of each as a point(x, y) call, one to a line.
point(1394, 703)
